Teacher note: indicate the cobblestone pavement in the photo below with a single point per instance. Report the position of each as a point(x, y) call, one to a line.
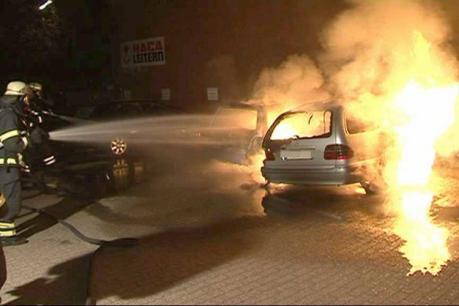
point(52, 268)
point(208, 235)
point(297, 246)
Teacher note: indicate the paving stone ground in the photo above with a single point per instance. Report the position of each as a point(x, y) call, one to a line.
point(52, 268)
point(209, 236)
point(303, 246)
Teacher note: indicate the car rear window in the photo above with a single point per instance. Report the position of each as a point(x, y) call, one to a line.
point(303, 125)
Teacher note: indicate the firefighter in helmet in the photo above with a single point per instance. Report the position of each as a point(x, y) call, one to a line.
point(12, 144)
point(37, 109)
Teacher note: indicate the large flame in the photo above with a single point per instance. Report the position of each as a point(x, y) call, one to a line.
point(419, 105)
point(428, 112)
point(426, 109)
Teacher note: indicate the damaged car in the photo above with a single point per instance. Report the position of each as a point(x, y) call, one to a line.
point(323, 147)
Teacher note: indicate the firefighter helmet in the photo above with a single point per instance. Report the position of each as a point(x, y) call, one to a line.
point(36, 86)
point(18, 88)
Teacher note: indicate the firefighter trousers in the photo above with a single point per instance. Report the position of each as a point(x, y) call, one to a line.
point(2, 268)
point(11, 191)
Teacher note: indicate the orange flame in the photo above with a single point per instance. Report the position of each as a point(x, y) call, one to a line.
point(428, 113)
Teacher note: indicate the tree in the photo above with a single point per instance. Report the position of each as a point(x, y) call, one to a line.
point(65, 45)
point(30, 40)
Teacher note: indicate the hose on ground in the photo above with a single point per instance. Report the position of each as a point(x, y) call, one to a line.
point(120, 242)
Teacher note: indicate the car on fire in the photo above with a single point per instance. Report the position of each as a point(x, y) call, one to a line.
point(323, 147)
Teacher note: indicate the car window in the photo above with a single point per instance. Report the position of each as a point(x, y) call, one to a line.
point(355, 125)
point(303, 125)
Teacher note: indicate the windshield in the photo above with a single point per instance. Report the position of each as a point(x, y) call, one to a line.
point(303, 125)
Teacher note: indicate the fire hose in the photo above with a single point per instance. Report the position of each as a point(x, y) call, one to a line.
point(120, 242)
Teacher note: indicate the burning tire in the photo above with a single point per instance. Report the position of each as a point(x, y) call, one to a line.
point(118, 146)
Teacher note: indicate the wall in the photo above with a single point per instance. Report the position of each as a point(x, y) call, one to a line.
point(224, 43)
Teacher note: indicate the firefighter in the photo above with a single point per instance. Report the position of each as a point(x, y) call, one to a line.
point(37, 108)
point(12, 104)
point(41, 103)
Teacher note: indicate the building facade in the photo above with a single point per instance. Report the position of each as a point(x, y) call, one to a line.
point(199, 53)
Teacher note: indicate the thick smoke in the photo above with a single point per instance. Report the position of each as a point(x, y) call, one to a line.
point(370, 53)
point(295, 82)
point(375, 48)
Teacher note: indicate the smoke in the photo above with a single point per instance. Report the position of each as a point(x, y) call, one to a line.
point(369, 55)
point(391, 63)
point(295, 82)
point(375, 48)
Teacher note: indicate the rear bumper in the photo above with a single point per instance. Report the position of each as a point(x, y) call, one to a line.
point(332, 176)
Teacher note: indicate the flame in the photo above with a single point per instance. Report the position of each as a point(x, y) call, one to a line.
point(255, 163)
point(407, 86)
point(284, 131)
point(426, 243)
point(428, 112)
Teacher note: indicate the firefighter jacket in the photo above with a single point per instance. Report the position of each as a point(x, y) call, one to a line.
point(36, 108)
point(41, 155)
point(11, 143)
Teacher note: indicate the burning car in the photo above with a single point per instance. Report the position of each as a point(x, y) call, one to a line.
point(324, 147)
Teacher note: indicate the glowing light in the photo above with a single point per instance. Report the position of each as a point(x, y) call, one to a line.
point(426, 244)
point(255, 164)
point(45, 5)
point(284, 131)
point(428, 112)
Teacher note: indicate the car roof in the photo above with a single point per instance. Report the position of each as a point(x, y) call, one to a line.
point(317, 106)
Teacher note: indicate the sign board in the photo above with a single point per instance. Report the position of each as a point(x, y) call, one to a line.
point(146, 52)
point(212, 94)
point(165, 94)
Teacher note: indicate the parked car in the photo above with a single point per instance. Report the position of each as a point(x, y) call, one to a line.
point(322, 147)
point(245, 126)
point(118, 146)
point(101, 165)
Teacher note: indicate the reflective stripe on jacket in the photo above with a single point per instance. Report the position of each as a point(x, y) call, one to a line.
point(9, 131)
point(9, 134)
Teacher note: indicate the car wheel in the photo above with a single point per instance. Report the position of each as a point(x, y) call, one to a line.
point(118, 146)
